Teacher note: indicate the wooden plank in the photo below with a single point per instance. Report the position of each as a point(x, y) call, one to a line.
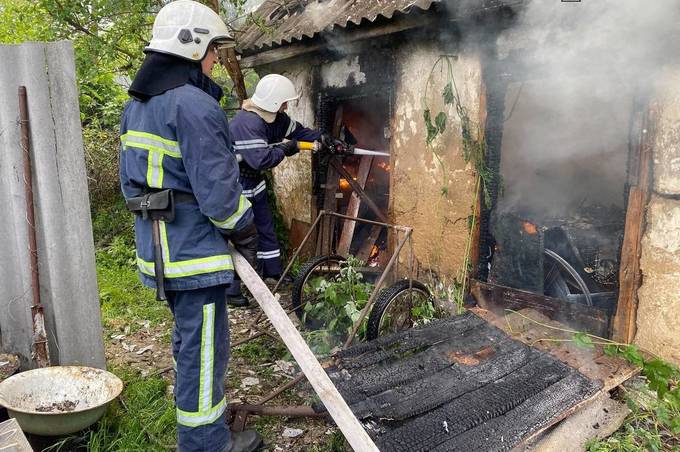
point(592, 362)
point(499, 298)
point(365, 251)
point(323, 386)
point(229, 60)
point(353, 207)
point(360, 191)
point(630, 277)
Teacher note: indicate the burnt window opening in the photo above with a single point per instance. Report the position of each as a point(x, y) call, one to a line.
point(557, 219)
point(365, 113)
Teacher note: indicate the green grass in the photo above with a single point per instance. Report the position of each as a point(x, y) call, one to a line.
point(143, 419)
point(124, 300)
point(641, 431)
point(260, 350)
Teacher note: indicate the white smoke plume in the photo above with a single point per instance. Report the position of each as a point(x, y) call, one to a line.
point(580, 68)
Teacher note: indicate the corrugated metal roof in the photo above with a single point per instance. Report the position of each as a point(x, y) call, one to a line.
point(62, 209)
point(283, 22)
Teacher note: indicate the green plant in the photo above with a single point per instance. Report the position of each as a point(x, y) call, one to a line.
point(651, 428)
point(450, 290)
point(338, 305)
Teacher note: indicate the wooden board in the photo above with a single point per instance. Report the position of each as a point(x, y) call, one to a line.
point(353, 207)
point(623, 325)
point(593, 363)
point(499, 298)
point(337, 407)
point(365, 250)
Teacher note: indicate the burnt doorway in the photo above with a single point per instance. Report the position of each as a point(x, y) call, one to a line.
point(562, 154)
point(365, 115)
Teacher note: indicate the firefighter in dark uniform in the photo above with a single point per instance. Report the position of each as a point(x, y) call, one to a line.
point(263, 134)
point(179, 174)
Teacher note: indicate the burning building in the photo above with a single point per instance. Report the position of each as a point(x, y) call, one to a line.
point(576, 105)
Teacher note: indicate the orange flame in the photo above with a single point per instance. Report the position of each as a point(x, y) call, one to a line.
point(529, 228)
point(344, 184)
point(384, 166)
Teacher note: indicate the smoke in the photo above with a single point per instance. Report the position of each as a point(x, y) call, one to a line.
point(576, 71)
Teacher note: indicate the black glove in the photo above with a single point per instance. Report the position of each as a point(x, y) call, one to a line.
point(245, 242)
point(333, 145)
point(290, 148)
point(327, 141)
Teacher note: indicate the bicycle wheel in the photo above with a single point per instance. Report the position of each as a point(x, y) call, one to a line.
point(325, 267)
point(561, 279)
point(393, 309)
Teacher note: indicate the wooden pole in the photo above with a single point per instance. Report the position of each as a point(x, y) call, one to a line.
point(229, 60)
point(317, 377)
point(353, 208)
point(624, 322)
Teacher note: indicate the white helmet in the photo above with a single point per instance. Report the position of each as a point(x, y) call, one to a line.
point(186, 28)
point(273, 91)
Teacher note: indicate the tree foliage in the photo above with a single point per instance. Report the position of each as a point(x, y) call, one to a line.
point(108, 38)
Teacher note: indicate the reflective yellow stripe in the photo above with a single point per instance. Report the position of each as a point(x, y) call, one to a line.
point(190, 267)
point(229, 223)
point(205, 386)
point(151, 142)
point(154, 170)
point(164, 242)
point(194, 419)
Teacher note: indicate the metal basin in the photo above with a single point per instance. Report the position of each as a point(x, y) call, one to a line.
point(59, 400)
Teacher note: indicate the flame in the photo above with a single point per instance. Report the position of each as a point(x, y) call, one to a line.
point(529, 228)
point(384, 166)
point(344, 184)
point(374, 252)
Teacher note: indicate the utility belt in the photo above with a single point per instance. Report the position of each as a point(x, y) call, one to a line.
point(247, 171)
point(158, 205)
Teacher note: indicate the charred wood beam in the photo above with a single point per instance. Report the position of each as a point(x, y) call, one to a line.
point(497, 299)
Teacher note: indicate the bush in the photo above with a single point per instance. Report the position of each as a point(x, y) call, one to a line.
point(101, 158)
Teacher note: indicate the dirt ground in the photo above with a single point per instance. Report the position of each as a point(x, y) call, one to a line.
point(255, 370)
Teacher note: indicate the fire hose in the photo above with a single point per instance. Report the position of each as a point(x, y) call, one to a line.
point(337, 149)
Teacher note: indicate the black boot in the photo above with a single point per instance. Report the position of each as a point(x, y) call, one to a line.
point(237, 301)
point(247, 441)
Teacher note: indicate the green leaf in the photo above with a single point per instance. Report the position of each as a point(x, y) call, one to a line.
point(611, 350)
point(632, 354)
point(447, 95)
point(440, 122)
point(582, 340)
point(431, 129)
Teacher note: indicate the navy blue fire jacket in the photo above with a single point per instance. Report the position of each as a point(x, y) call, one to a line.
point(180, 140)
point(253, 138)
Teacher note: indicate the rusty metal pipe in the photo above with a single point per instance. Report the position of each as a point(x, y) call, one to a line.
point(376, 289)
point(289, 411)
point(298, 378)
point(285, 272)
point(40, 347)
point(363, 220)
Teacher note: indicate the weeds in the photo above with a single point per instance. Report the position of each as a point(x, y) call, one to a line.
point(123, 298)
point(338, 305)
point(142, 420)
point(260, 350)
point(654, 427)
